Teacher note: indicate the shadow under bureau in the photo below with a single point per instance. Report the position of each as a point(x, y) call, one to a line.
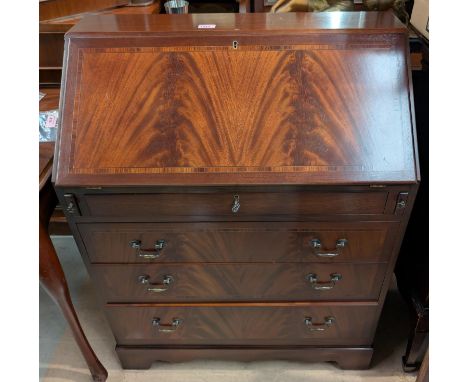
point(238, 192)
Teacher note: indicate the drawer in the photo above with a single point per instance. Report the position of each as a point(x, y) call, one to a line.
point(206, 206)
point(239, 282)
point(243, 324)
point(237, 242)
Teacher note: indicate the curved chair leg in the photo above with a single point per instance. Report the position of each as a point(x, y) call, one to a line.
point(53, 280)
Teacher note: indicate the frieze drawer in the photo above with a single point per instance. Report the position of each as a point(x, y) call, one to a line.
point(232, 205)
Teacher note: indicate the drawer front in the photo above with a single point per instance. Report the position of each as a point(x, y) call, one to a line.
point(243, 325)
point(239, 282)
point(206, 206)
point(237, 242)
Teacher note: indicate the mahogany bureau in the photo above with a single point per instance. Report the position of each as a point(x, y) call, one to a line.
point(238, 185)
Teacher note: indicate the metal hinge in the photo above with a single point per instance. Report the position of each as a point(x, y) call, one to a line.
point(71, 206)
point(401, 203)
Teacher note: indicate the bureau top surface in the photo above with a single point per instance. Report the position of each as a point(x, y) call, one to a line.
point(245, 99)
point(240, 23)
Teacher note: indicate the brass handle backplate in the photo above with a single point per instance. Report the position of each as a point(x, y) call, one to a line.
point(317, 248)
point(155, 287)
point(148, 253)
point(324, 285)
point(166, 328)
point(328, 321)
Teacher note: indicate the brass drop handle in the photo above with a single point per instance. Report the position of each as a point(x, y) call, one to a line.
point(328, 321)
point(154, 287)
point(235, 204)
point(317, 246)
point(166, 328)
point(324, 285)
point(148, 254)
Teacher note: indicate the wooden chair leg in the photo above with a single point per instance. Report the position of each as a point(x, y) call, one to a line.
point(53, 280)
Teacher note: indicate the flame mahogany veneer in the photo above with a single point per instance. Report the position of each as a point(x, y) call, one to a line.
point(238, 192)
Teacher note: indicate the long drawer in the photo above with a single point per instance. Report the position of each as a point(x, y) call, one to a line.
point(237, 242)
point(243, 325)
point(239, 282)
point(231, 205)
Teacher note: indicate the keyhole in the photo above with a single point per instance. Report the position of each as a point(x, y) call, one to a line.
point(235, 44)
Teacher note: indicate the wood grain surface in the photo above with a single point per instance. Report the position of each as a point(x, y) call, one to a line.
point(202, 110)
point(239, 282)
point(133, 357)
point(238, 242)
point(52, 9)
point(352, 22)
point(304, 119)
point(196, 206)
point(335, 109)
point(50, 100)
point(242, 325)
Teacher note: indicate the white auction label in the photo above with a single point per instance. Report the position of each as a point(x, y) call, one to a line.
point(206, 26)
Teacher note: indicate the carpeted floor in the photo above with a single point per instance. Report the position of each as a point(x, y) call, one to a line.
point(60, 359)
